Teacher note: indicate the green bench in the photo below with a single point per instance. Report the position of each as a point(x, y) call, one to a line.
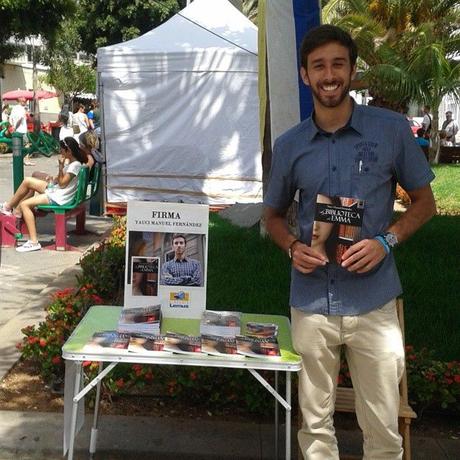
point(88, 184)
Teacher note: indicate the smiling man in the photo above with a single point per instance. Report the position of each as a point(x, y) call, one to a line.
point(346, 150)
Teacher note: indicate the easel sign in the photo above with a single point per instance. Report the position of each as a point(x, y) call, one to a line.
point(166, 257)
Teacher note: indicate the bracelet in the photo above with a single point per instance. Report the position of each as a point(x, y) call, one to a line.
point(290, 247)
point(384, 243)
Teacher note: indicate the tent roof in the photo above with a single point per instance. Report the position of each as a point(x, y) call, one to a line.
point(203, 27)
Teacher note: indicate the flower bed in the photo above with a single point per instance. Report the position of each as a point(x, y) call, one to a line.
point(432, 383)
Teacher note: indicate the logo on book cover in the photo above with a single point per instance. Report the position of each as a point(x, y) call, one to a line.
point(179, 299)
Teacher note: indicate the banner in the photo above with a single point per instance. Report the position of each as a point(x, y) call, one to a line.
point(166, 257)
point(282, 25)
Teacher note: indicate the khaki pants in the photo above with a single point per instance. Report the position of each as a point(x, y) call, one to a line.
point(375, 355)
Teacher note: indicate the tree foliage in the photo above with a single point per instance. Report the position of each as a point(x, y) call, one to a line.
point(106, 22)
point(23, 18)
point(407, 47)
point(65, 74)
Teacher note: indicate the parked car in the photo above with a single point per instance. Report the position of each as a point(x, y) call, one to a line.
point(414, 125)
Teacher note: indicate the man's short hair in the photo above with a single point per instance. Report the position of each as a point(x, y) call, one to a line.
point(322, 35)
point(179, 235)
point(427, 107)
point(449, 112)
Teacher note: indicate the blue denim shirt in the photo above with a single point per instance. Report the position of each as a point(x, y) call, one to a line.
point(363, 160)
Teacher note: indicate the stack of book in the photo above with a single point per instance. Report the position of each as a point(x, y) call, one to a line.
point(140, 320)
point(146, 343)
point(266, 330)
point(105, 340)
point(220, 323)
point(181, 343)
point(258, 347)
point(219, 345)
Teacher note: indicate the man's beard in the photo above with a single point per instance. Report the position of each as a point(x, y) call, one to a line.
point(329, 101)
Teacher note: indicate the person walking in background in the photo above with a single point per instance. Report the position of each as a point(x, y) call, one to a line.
point(426, 122)
point(18, 120)
point(80, 122)
point(342, 150)
point(450, 127)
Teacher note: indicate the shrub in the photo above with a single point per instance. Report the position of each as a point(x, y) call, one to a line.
point(432, 383)
point(104, 269)
point(43, 343)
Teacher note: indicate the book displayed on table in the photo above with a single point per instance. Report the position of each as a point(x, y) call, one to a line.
point(337, 225)
point(181, 343)
point(140, 320)
point(255, 329)
point(258, 347)
point(218, 345)
point(106, 341)
point(146, 344)
point(223, 323)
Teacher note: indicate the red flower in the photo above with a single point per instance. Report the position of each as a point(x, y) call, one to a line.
point(19, 346)
point(56, 359)
point(149, 375)
point(120, 383)
point(412, 357)
point(86, 363)
point(409, 348)
point(457, 378)
point(193, 376)
point(42, 342)
point(340, 379)
point(137, 367)
point(32, 340)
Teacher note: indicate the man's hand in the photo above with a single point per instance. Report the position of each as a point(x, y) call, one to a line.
point(363, 256)
point(305, 259)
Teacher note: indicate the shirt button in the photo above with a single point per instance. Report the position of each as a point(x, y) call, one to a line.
point(334, 168)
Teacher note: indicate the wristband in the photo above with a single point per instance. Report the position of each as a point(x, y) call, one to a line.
point(290, 247)
point(383, 242)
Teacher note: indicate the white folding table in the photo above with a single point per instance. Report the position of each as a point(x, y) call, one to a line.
point(101, 318)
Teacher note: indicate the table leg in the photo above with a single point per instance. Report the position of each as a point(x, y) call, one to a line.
point(288, 415)
point(276, 419)
point(73, 423)
point(93, 439)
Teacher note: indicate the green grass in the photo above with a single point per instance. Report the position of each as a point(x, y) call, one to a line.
point(429, 268)
point(446, 188)
point(250, 274)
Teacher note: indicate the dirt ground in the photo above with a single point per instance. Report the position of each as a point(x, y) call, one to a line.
point(23, 390)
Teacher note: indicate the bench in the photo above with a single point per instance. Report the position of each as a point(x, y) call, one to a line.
point(345, 400)
point(88, 184)
point(449, 154)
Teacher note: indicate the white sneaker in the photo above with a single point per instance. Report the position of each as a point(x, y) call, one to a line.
point(4, 210)
point(29, 246)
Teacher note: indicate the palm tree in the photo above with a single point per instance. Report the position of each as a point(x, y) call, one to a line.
point(406, 48)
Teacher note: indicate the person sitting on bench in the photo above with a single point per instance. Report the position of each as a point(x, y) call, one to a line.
point(58, 190)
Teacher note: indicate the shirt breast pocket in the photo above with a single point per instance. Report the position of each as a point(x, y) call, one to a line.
point(365, 178)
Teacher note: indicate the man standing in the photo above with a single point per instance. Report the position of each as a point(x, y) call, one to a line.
point(181, 270)
point(346, 150)
point(450, 126)
point(18, 121)
point(426, 122)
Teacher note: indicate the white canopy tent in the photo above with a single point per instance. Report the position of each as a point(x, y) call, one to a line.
point(181, 112)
